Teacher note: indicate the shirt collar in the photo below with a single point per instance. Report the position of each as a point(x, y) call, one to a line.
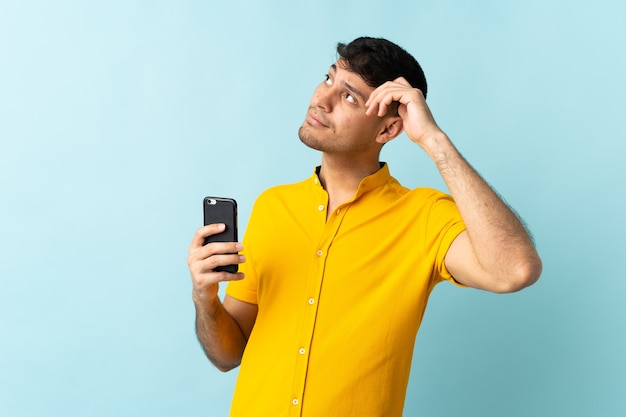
point(368, 183)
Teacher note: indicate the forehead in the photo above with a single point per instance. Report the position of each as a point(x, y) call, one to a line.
point(342, 67)
point(341, 71)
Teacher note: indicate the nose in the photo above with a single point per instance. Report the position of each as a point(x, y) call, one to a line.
point(322, 98)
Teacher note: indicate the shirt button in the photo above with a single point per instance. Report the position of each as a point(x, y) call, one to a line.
point(302, 351)
point(319, 252)
point(320, 207)
point(294, 401)
point(311, 301)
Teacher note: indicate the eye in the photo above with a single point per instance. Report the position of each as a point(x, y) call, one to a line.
point(350, 98)
point(327, 80)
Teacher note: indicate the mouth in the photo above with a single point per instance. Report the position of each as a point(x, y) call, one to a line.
point(316, 120)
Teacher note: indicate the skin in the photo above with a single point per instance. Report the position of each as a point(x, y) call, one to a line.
point(347, 121)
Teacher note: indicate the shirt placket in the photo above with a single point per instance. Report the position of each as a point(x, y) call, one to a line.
point(311, 305)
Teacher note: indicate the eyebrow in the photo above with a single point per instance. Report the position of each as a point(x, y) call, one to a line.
point(349, 86)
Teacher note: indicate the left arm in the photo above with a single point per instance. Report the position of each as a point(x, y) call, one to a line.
point(495, 252)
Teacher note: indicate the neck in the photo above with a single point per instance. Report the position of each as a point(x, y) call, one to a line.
point(341, 178)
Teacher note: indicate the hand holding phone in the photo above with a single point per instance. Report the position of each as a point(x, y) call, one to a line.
point(222, 210)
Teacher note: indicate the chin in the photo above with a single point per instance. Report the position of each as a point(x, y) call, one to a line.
point(308, 139)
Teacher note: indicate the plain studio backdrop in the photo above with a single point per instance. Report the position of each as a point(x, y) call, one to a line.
point(118, 117)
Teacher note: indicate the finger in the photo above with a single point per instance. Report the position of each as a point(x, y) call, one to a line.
point(211, 277)
point(403, 81)
point(382, 97)
point(381, 103)
point(399, 87)
point(223, 276)
point(203, 270)
point(207, 252)
point(375, 102)
point(374, 97)
point(213, 249)
point(203, 232)
point(211, 263)
point(227, 276)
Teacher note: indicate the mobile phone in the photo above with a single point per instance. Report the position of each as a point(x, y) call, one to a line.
point(222, 210)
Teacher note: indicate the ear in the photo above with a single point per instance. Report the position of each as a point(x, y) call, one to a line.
point(390, 130)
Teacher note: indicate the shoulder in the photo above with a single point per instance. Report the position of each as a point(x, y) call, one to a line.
point(436, 203)
point(281, 197)
point(422, 205)
point(428, 195)
point(421, 196)
point(424, 194)
point(283, 190)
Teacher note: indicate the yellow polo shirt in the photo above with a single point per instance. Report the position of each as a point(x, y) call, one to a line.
point(340, 301)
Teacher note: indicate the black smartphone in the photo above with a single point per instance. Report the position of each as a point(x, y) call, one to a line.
point(222, 210)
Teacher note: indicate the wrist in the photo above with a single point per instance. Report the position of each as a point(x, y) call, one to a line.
point(438, 146)
point(206, 302)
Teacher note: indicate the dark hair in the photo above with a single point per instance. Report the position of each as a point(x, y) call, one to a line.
point(378, 60)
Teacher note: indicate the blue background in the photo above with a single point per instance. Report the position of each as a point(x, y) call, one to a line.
point(118, 117)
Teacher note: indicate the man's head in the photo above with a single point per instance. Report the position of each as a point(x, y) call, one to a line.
point(378, 60)
point(336, 121)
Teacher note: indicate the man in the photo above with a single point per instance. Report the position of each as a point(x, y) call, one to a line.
point(338, 268)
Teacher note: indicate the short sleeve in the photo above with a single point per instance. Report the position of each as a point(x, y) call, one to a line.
point(247, 288)
point(443, 226)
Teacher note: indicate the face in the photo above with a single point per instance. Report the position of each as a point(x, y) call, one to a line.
point(336, 120)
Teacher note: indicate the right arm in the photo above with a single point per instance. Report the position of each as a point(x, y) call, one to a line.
point(222, 328)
